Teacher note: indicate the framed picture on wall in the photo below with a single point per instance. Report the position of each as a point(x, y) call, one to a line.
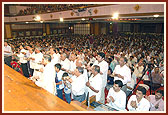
point(27, 33)
point(34, 33)
point(21, 33)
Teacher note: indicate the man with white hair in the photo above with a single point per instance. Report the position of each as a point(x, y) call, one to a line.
point(65, 62)
point(103, 71)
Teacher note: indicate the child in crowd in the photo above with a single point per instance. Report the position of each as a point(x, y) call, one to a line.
point(67, 87)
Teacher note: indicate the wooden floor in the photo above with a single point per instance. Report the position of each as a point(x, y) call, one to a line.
point(21, 94)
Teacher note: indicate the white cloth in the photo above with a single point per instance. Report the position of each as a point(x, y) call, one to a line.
point(7, 48)
point(78, 85)
point(22, 57)
point(59, 75)
point(119, 99)
point(38, 59)
point(143, 105)
point(138, 71)
point(56, 59)
point(72, 65)
point(65, 64)
point(49, 78)
point(104, 69)
point(96, 83)
point(32, 62)
point(123, 71)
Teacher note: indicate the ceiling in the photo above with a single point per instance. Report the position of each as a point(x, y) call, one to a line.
point(126, 18)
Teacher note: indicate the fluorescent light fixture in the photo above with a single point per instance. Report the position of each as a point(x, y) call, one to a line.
point(83, 19)
point(61, 19)
point(41, 21)
point(27, 22)
point(156, 15)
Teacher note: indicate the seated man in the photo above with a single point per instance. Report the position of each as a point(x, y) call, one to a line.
point(156, 101)
point(116, 98)
point(138, 102)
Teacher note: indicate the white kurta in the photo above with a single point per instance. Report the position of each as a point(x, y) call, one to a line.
point(123, 71)
point(104, 69)
point(143, 105)
point(65, 64)
point(119, 99)
point(96, 83)
point(78, 85)
point(49, 78)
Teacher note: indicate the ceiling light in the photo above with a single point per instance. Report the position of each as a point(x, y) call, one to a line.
point(115, 16)
point(27, 22)
point(61, 19)
point(41, 21)
point(83, 19)
point(156, 15)
point(37, 18)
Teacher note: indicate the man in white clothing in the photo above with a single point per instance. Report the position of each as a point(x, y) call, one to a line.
point(138, 102)
point(78, 85)
point(48, 71)
point(116, 98)
point(95, 83)
point(23, 61)
point(7, 54)
point(37, 62)
point(123, 73)
point(65, 63)
point(103, 71)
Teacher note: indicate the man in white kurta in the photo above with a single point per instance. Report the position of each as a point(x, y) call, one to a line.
point(103, 71)
point(78, 85)
point(138, 102)
point(48, 82)
point(116, 98)
point(94, 84)
point(123, 73)
point(65, 63)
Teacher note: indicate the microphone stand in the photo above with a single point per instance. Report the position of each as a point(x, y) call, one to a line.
point(144, 71)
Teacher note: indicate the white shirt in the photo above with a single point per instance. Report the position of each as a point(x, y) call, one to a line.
point(55, 59)
point(38, 59)
point(78, 85)
point(65, 64)
point(104, 69)
point(96, 83)
point(119, 99)
point(7, 48)
point(143, 105)
point(32, 62)
point(22, 57)
point(72, 65)
point(49, 78)
point(123, 71)
point(59, 75)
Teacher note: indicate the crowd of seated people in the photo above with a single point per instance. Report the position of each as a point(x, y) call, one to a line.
point(47, 8)
point(78, 64)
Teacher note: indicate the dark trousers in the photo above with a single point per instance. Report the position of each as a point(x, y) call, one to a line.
point(25, 69)
point(28, 66)
point(8, 60)
point(68, 97)
point(59, 93)
point(79, 98)
point(31, 71)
